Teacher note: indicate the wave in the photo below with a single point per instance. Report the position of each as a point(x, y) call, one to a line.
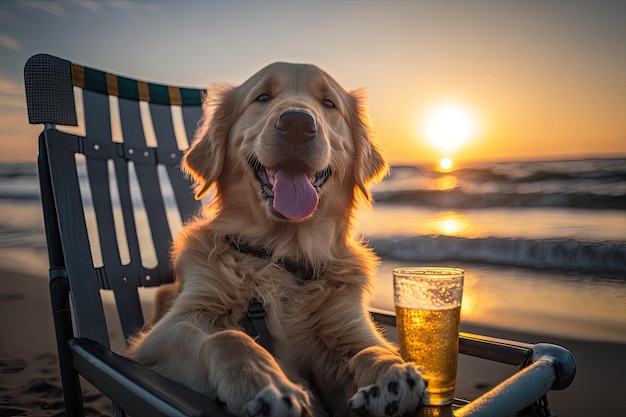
point(457, 198)
point(544, 254)
point(19, 188)
point(18, 170)
point(19, 182)
point(514, 173)
point(589, 183)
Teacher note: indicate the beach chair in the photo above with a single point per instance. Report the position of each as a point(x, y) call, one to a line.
point(113, 197)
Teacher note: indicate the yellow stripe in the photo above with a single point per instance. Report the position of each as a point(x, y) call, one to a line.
point(112, 89)
point(175, 98)
point(78, 76)
point(144, 93)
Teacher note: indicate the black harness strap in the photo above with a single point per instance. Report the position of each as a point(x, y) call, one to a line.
point(255, 323)
point(256, 327)
point(302, 271)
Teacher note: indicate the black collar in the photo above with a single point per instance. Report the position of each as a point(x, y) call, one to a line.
point(302, 271)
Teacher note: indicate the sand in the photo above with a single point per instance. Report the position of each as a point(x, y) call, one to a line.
point(30, 384)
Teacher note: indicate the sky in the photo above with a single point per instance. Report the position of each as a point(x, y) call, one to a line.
point(532, 79)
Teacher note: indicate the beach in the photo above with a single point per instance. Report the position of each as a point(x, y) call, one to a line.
point(546, 268)
point(30, 384)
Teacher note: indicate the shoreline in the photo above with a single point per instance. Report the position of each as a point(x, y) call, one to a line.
point(29, 373)
point(566, 304)
point(545, 303)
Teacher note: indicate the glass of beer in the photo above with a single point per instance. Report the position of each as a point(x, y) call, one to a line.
point(428, 312)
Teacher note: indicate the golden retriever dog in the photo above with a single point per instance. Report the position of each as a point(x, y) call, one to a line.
point(289, 154)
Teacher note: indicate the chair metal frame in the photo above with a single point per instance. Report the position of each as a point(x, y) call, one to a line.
point(75, 283)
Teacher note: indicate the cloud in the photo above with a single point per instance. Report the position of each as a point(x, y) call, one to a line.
point(147, 6)
point(61, 8)
point(93, 5)
point(18, 139)
point(9, 42)
point(52, 7)
point(12, 93)
point(6, 15)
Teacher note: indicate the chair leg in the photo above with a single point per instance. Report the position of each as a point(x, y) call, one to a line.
point(59, 289)
point(537, 409)
point(117, 411)
point(59, 295)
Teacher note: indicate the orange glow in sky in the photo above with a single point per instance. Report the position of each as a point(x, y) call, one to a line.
point(460, 80)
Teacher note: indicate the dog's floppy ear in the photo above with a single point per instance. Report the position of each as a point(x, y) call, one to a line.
point(204, 159)
point(369, 164)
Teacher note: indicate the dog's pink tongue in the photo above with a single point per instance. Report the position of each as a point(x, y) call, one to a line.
point(294, 195)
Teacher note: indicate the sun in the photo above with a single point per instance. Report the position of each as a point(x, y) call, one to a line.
point(450, 126)
point(445, 164)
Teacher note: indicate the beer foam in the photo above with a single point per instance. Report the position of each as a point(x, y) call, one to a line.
point(418, 293)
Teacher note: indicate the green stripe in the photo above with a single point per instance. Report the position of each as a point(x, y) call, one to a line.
point(159, 94)
point(95, 80)
point(127, 88)
point(191, 96)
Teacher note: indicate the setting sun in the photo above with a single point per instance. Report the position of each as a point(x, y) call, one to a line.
point(445, 164)
point(450, 126)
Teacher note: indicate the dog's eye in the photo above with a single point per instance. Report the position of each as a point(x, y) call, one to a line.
point(263, 98)
point(329, 103)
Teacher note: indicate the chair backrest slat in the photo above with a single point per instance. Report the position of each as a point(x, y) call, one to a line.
point(97, 114)
point(163, 126)
point(186, 206)
point(98, 175)
point(169, 154)
point(157, 223)
point(84, 278)
point(191, 118)
point(132, 128)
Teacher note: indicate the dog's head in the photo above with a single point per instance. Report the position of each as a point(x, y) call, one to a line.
point(289, 138)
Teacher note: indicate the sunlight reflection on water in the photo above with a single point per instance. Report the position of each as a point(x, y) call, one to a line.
point(387, 220)
point(563, 304)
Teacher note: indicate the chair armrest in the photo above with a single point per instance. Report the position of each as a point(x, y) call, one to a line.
point(136, 389)
point(485, 347)
point(543, 367)
point(494, 349)
point(507, 351)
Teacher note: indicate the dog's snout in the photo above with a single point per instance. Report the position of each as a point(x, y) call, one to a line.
point(296, 126)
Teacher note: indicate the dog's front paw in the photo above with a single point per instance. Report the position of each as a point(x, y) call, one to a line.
point(396, 392)
point(271, 402)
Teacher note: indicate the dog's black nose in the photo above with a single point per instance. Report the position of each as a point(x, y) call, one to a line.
point(296, 126)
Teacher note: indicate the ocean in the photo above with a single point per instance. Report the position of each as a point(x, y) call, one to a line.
point(543, 243)
point(548, 215)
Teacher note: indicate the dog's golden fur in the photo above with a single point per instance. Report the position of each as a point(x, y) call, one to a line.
point(322, 334)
